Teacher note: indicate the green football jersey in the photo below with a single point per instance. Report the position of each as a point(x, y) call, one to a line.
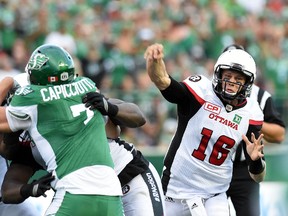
point(70, 138)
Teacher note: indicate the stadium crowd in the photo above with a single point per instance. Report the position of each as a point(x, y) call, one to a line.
point(108, 38)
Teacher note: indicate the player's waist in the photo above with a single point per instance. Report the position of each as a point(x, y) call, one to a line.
point(98, 180)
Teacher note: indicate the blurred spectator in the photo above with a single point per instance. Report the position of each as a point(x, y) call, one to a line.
point(92, 65)
point(20, 54)
point(108, 39)
point(6, 66)
point(61, 37)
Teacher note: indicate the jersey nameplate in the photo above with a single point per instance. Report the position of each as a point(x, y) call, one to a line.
point(67, 90)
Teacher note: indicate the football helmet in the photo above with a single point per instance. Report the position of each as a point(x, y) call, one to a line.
point(50, 65)
point(233, 46)
point(235, 60)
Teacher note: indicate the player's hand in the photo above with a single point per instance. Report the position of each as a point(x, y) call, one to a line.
point(155, 66)
point(95, 100)
point(37, 187)
point(154, 52)
point(254, 149)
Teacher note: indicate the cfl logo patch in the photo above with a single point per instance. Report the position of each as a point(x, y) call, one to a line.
point(212, 107)
point(64, 76)
point(125, 189)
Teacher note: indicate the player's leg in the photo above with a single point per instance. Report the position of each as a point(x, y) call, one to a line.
point(176, 207)
point(246, 201)
point(217, 205)
point(143, 195)
point(152, 173)
point(136, 198)
point(88, 205)
point(26, 208)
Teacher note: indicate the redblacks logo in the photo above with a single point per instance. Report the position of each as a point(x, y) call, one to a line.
point(212, 107)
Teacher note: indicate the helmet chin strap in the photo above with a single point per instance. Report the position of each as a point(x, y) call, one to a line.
point(229, 103)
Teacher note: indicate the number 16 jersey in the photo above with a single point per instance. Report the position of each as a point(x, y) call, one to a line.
point(199, 158)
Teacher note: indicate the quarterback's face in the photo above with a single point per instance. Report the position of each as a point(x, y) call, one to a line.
point(232, 81)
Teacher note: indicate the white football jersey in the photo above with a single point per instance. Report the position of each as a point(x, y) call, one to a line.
point(121, 154)
point(203, 164)
point(254, 96)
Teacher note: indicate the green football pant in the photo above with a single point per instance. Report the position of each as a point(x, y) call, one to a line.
point(88, 205)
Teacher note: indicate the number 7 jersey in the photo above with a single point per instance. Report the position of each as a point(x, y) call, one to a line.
point(70, 138)
point(199, 158)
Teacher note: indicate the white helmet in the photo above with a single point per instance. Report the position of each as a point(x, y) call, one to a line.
point(237, 60)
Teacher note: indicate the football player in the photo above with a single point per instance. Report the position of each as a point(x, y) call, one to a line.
point(141, 184)
point(63, 131)
point(213, 119)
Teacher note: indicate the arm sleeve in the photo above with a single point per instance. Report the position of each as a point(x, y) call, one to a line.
point(271, 115)
point(178, 93)
point(17, 121)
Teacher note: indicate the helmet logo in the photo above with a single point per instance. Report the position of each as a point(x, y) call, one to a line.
point(64, 76)
point(37, 61)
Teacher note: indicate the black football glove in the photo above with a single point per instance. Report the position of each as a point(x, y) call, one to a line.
point(37, 187)
point(95, 100)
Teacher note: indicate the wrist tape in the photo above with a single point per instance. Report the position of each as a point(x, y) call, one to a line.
point(256, 167)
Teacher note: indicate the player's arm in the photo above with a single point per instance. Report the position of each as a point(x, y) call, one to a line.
point(16, 176)
point(253, 150)
point(5, 85)
point(273, 126)
point(128, 115)
point(9, 145)
point(173, 91)
point(16, 186)
point(155, 66)
point(273, 133)
point(112, 131)
point(4, 126)
point(120, 112)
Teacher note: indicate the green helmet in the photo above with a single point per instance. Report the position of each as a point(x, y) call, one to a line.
point(50, 64)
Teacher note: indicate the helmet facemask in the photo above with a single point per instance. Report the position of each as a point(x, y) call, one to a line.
point(238, 61)
point(243, 90)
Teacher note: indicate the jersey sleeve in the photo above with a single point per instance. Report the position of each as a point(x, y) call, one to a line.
point(17, 119)
point(271, 115)
point(179, 93)
point(176, 92)
point(256, 117)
